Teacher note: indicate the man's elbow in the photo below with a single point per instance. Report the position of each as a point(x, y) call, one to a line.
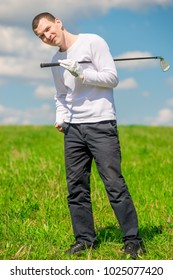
point(114, 81)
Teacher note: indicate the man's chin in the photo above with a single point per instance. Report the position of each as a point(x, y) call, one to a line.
point(53, 44)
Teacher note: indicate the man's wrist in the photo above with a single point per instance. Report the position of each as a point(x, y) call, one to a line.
point(81, 76)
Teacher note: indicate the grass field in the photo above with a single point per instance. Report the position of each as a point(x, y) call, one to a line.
point(35, 221)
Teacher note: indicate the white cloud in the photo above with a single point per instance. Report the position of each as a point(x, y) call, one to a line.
point(142, 4)
point(24, 11)
point(2, 109)
point(43, 114)
point(136, 63)
point(22, 55)
point(164, 117)
point(15, 40)
point(21, 67)
point(129, 83)
point(43, 92)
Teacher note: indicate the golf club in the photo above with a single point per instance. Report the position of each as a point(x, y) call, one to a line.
point(163, 63)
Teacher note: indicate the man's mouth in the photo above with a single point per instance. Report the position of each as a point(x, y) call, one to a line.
point(52, 39)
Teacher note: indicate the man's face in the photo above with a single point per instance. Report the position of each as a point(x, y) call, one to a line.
point(50, 32)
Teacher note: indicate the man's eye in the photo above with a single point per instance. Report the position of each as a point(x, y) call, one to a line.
point(41, 36)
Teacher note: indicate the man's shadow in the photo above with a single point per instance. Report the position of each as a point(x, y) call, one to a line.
point(113, 233)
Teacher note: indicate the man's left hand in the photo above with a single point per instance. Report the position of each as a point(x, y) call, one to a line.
point(72, 66)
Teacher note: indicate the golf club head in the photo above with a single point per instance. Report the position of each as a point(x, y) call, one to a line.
point(164, 64)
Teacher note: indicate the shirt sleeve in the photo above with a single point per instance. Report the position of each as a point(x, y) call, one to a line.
point(104, 72)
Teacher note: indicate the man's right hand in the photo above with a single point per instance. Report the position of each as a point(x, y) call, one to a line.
point(60, 129)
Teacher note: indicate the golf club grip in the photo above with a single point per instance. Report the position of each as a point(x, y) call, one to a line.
point(42, 65)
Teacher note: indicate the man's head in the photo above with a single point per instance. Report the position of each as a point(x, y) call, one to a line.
point(37, 18)
point(48, 28)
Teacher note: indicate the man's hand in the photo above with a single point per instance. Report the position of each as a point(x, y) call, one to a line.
point(60, 128)
point(73, 67)
point(59, 122)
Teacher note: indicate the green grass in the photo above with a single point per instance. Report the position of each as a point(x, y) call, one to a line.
point(35, 221)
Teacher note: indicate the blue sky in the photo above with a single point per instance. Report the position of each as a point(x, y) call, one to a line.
point(131, 28)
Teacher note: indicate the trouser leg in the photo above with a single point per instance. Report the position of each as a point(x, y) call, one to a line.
point(78, 161)
point(104, 144)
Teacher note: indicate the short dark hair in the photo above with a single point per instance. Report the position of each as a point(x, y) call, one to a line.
point(37, 18)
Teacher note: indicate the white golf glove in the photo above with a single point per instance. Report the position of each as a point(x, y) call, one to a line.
point(72, 66)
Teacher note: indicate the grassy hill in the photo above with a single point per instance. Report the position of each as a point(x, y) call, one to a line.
point(35, 221)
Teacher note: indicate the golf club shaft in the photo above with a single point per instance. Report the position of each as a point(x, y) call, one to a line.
point(115, 59)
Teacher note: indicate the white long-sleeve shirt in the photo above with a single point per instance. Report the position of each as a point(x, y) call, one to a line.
point(91, 99)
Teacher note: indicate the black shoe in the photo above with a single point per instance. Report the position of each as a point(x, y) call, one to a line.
point(77, 247)
point(132, 249)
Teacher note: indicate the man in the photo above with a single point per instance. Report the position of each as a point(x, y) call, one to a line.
point(85, 112)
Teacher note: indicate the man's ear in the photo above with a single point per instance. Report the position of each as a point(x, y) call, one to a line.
point(59, 23)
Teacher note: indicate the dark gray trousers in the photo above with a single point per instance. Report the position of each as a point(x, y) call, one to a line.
point(98, 141)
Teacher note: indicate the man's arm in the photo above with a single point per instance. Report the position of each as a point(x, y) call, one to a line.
point(104, 73)
point(60, 100)
point(100, 72)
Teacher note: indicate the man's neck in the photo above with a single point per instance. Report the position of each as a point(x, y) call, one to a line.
point(69, 40)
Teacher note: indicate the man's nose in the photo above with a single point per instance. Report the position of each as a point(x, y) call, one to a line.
point(47, 35)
